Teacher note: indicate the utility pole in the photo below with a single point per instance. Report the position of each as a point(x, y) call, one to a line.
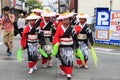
point(58, 6)
point(76, 5)
point(111, 2)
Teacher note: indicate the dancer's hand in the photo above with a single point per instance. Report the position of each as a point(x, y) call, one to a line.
point(58, 43)
point(22, 48)
point(39, 46)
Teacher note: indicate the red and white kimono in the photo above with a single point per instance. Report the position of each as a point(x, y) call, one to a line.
point(47, 47)
point(84, 35)
point(66, 37)
point(31, 37)
point(55, 23)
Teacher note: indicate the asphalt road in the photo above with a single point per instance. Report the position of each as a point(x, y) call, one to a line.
point(108, 66)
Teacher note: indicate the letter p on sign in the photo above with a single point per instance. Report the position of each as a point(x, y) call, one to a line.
point(103, 19)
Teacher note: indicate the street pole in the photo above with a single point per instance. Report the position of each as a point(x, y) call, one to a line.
point(76, 5)
point(111, 4)
point(59, 6)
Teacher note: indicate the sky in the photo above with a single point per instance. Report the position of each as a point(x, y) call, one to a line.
point(46, 2)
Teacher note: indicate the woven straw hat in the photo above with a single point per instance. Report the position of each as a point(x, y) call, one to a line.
point(82, 15)
point(32, 16)
point(37, 10)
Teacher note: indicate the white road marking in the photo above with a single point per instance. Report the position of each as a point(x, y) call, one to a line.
point(103, 52)
point(103, 49)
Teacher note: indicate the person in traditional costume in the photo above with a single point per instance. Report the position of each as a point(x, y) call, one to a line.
point(65, 36)
point(31, 40)
point(38, 12)
point(48, 31)
point(54, 19)
point(85, 38)
point(74, 20)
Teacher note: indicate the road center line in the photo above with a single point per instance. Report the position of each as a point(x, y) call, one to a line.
point(113, 53)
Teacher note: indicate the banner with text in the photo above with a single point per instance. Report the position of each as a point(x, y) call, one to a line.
point(107, 29)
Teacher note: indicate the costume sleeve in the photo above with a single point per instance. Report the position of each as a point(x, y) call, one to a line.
point(75, 39)
point(77, 29)
point(38, 23)
point(89, 35)
point(56, 37)
point(40, 36)
point(42, 24)
point(24, 37)
point(53, 29)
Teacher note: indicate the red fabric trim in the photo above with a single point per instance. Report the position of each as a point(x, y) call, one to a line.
point(58, 34)
point(32, 64)
point(42, 24)
point(44, 60)
point(55, 23)
point(66, 41)
point(67, 70)
point(32, 39)
point(79, 62)
point(63, 69)
point(78, 29)
point(24, 36)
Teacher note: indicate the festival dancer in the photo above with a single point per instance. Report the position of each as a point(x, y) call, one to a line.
point(48, 31)
point(38, 12)
point(74, 20)
point(85, 38)
point(31, 40)
point(65, 36)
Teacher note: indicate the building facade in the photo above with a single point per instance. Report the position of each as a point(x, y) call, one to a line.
point(89, 6)
point(17, 6)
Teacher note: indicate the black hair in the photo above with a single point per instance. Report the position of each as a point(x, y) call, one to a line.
point(6, 8)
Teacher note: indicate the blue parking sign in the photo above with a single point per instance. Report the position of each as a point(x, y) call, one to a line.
point(103, 18)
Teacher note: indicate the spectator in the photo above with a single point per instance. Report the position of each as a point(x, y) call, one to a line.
point(21, 23)
point(8, 22)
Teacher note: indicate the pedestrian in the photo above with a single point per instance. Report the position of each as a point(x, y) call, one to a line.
point(7, 21)
point(85, 38)
point(31, 40)
point(65, 36)
point(46, 27)
point(21, 23)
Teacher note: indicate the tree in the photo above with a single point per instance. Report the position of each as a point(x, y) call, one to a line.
point(34, 4)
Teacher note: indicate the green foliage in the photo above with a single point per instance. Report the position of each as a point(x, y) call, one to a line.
point(34, 4)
